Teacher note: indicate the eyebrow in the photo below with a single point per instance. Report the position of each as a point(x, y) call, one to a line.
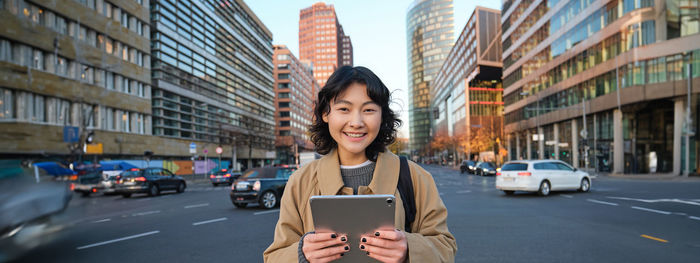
point(347, 102)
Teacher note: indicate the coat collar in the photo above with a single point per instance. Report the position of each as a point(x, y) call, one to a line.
point(384, 179)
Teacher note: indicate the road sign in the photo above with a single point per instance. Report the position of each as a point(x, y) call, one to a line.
point(219, 150)
point(584, 134)
point(193, 148)
point(205, 151)
point(71, 134)
point(94, 148)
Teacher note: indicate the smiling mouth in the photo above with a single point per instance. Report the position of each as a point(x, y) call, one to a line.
point(354, 135)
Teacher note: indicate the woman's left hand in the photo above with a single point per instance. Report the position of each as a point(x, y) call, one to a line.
point(386, 246)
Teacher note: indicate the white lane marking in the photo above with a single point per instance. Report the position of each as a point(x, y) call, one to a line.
point(442, 193)
point(694, 217)
point(602, 202)
point(197, 205)
point(266, 212)
point(103, 220)
point(146, 213)
point(567, 196)
point(651, 210)
point(680, 214)
point(674, 200)
point(464, 191)
point(209, 221)
point(118, 239)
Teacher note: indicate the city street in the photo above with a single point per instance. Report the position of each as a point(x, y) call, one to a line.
point(619, 220)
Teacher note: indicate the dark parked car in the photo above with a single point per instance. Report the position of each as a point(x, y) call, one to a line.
point(486, 168)
point(263, 185)
point(88, 183)
point(223, 176)
point(467, 166)
point(148, 180)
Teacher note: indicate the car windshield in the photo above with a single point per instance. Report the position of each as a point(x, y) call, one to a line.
point(254, 173)
point(514, 167)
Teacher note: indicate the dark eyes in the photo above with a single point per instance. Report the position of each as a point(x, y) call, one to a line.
point(343, 109)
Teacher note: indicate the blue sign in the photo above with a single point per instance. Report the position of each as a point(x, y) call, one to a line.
point(193, 146)
point(71, 134)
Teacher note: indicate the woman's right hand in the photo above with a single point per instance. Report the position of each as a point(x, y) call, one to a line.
point(324, 247)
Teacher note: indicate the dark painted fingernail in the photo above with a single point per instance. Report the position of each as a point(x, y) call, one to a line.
point(364, 239)
point(333, 236)
point(347, 248)
point(343, 239)
point(342, 254)
point(376, 233)
point(368, 253)
point(362, 246)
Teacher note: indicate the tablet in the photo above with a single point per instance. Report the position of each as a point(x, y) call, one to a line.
point(353, 215)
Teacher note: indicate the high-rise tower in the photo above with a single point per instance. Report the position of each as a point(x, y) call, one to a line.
point(323, 41)
point(429, 35)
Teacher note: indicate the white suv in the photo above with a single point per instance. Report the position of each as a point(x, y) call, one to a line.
point(541, 176)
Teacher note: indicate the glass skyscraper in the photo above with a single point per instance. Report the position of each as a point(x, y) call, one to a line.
point(429, 36)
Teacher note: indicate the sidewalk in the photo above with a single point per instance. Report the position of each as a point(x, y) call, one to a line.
point(650, 177)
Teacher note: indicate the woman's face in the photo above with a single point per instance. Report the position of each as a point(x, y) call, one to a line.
point(353, 121)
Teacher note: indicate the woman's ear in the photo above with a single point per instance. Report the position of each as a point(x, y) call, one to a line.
point(325, 117)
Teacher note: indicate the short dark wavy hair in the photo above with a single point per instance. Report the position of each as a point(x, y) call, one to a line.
point(376, 90)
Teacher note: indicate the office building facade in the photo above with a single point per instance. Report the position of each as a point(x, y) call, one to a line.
point(603, 84)
point(467, 91)
point(74, 68)
point(429, 37)
point(323, 41)
point(295, 91)
point(212, 77)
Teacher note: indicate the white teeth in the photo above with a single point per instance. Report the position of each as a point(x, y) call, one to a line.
point(355, 135)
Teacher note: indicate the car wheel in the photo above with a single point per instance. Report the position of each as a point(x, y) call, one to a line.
point(268, 200)
point(544, 188)
point(585, 185)
point(180, 187)
point(509, 192)
point(213, 184)
point(153, 190)
point(85, 194)
point(126, 195)
point(240, 205)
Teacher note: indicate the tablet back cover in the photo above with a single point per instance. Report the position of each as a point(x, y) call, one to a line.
point(353, 215)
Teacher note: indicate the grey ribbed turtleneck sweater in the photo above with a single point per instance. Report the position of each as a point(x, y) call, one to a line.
point(357, 175)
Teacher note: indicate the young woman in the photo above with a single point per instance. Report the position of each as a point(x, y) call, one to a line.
point(352, 127)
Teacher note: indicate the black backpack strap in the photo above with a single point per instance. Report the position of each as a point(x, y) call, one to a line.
point(405, 186)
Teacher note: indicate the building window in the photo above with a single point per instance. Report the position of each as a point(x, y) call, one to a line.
point(283, 76)
point(125, 124)
point(7, 110)
point(34, 108)
point(284, 104)
point(284, 114)
point(283, 95)
point(284, 123)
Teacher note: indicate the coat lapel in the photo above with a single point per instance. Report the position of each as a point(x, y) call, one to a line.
point(328, 174)
point(386, 174)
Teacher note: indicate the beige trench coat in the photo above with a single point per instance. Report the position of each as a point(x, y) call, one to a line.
point(430, 240)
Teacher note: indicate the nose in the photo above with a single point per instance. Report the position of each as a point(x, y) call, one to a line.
point(356, 120)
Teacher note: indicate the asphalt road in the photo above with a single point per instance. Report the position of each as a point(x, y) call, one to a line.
point(619, 220)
